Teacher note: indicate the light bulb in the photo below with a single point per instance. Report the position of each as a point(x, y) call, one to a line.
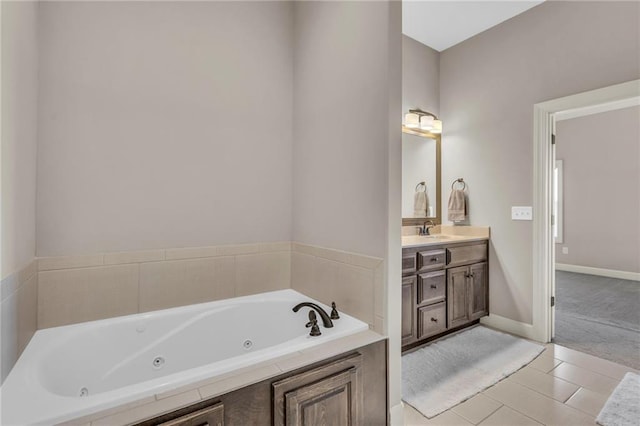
point(437, 126)
point(412, 120)
point(426, 122)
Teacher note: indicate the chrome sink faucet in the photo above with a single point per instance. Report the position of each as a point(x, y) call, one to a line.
point(424, 230)
point(326, 321)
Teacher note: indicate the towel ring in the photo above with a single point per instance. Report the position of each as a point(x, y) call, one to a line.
point(423, 184)
point(459, 180)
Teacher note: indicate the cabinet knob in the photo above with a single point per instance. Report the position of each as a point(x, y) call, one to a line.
point(434, 319)
point(433, 286)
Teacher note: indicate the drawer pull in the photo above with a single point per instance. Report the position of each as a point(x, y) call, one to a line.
point(434, 319)
point(434, 259)
point(433, 286)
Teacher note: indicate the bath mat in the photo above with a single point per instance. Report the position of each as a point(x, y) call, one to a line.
point(623, 406)
point(445, 373)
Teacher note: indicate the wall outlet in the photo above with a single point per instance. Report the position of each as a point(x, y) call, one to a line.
point(522, 213)
point(565, 250)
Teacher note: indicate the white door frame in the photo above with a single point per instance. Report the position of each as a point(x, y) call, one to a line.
point(544, 117)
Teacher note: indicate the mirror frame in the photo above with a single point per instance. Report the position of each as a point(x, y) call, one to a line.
point(419, 221)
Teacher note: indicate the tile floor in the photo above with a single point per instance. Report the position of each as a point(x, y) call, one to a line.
point(561, 387)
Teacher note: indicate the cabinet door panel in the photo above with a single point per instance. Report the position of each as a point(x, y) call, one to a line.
point(332, 401)
point(408, 309)
point(408, 263)
point(478, 291)
point(432, 287)
point(457, 296)
point(286, 395)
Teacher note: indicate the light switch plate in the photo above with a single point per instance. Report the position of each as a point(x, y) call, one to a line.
point(522, 213)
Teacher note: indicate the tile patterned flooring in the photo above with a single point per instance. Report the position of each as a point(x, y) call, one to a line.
point(561, 387)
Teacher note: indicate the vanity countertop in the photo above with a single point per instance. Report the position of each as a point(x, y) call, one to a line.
point(447, 234)
point(432, 240)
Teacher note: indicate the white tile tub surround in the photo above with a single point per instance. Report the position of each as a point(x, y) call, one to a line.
point(19, 312)
point(60, 361)
point(355, 282)
point(74, 289)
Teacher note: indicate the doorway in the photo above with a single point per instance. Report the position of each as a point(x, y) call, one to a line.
point(545, 116)
point(596, 230)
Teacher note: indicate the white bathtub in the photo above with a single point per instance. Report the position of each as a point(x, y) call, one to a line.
point(71, 371)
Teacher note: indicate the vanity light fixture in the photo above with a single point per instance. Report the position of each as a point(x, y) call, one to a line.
point(437, 126)
point(422, 121)
point(412, 120)
point(426, 122)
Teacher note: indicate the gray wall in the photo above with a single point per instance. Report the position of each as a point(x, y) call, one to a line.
point(164, 124)
point(420, 76)
point(489, 85)
point(341, 125)
point(346, 151)
point(18, 152)
point(19, 136)
point(601, 162)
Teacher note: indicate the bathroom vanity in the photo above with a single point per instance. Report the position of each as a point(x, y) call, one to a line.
point(445, 285)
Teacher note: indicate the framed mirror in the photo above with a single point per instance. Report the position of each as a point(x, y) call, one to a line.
point(420, 174)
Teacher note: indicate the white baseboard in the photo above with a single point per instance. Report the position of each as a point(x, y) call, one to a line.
point(396, 415)
point(509, 326)
point(612, 273)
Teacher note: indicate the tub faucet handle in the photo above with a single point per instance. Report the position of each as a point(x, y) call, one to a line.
point(334, 311)
point(312, 319)
point(313, 323)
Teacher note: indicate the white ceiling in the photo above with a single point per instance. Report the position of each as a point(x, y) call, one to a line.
point(442, 24)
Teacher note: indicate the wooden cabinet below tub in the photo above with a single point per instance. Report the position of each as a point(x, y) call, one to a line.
point(447, 289)
point(328, 392)
point(211, 416)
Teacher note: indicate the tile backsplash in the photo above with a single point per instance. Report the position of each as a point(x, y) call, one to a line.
point(353, 281)
point(19, 293)
point(84, 288)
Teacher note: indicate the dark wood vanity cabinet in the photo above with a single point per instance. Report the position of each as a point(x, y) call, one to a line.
point(446, 289)
point(329, 392)
point(210, 416)
point(467, 288)
point(408, 311)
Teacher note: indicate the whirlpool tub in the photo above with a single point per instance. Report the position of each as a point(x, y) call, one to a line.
point(71, 371)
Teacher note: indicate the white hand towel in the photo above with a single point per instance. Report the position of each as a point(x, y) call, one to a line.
point(420, 204)
point(457, 206)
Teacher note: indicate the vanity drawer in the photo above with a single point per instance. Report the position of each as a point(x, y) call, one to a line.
point(432, 287)
point(432, 320)
point(408, 263)
point(431, 260)
point(463, 255)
